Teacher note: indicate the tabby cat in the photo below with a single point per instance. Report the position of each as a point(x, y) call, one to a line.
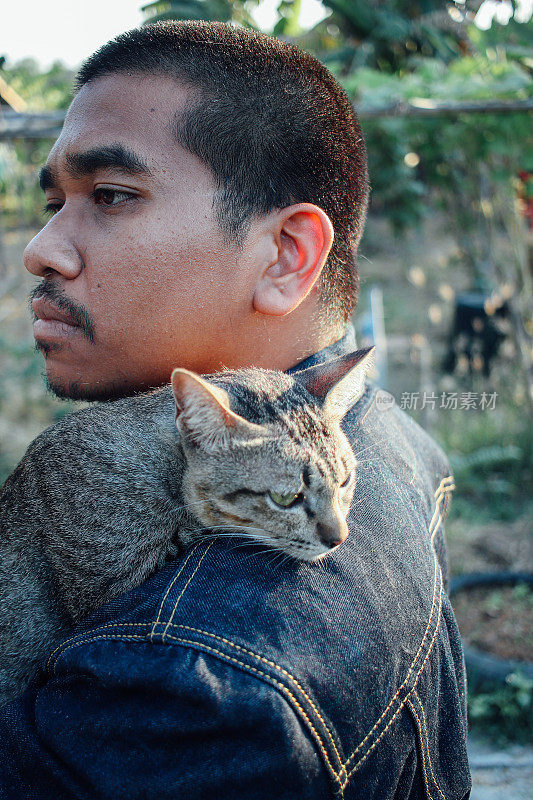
point(103, 498)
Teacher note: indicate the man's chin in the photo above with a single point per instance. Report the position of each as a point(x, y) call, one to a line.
point(74, 390)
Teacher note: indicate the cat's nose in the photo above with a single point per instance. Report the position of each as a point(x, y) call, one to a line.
point(332, 534)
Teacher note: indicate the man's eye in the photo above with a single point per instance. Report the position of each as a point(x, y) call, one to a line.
point(52, 207)
point(110, 197)
point(101, 197)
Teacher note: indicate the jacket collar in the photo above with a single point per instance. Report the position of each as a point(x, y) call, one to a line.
point(346, 344)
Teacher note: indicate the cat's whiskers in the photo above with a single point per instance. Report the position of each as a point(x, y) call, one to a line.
point(188, 505)
point(371, 446)
point(366, 465)
point(241, 544)
point(283, 560)
point(366, 461)
point(248, 539)
point(237, 531)
point(271, 551)
point(358, 502)
point(227, 527)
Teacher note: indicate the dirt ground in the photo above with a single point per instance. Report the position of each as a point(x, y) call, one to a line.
point(490, 547)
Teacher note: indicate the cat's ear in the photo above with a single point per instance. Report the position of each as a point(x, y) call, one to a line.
point(338, 383)
point(203, 413)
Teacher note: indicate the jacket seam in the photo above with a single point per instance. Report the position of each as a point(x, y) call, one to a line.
point(448, 490)
point(270, 663)
point(391, 703)
point(425, 745)
point(207, 549)
point(194, 644)
point(422, 747)
point(448, 479)
point(282, 687)
point(401, 705)
point(173, 581)
point(80, 638)
point(169, 623)
point(215, 636)
point(364, 756)
point(343, 775)
point(276, 666)
point(278, 684)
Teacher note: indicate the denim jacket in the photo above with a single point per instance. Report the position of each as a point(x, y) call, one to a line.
point(231, 676)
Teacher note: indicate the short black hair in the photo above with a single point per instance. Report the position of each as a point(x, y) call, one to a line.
point(269, 120)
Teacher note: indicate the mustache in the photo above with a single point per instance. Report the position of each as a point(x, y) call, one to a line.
point(76, 313)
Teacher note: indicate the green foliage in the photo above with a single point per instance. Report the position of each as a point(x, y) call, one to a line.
point(504, 714)
point(396, 190)
point(42, 91)
point(385, 35)
point(490, 455)
point(449, 151)
point(25, 403)
point(20, 196)
point(289, 18)
point(215, 10)
point(238, 11)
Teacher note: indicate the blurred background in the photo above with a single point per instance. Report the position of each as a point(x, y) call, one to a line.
point(444, 91)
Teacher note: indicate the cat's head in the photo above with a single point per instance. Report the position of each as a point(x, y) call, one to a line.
point(266, 457)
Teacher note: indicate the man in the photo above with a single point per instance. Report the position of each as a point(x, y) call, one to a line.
point(207, 193)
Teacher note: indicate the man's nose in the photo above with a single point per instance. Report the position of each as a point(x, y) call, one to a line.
point(52, 250)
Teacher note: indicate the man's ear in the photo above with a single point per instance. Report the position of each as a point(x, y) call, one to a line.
point(303, 235)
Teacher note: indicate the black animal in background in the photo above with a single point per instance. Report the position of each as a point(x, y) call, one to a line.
point(475, 332)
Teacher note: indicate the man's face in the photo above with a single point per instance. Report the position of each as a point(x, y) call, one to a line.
point(133, 253)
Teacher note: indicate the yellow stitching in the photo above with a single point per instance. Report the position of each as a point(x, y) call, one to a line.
point(427, 743)
point(381, 735)
point(439, 520)
point(93, 630)
point(93, 639)
point(281, 686)
point(363, 758)
point(410, 668)
point(219, 638)
point(441, 494)
point(438, 490)
point(119, 624)
point(276, 666)
point(421, 748)
point(411, 689)
point(280, 669)
point(184, 589)
point(173, 581)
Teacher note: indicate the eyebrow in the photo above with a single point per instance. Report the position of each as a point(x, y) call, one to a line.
point(79, 165)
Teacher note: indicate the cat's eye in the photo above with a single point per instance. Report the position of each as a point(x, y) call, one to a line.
point(285, 500)
point(348, 481)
